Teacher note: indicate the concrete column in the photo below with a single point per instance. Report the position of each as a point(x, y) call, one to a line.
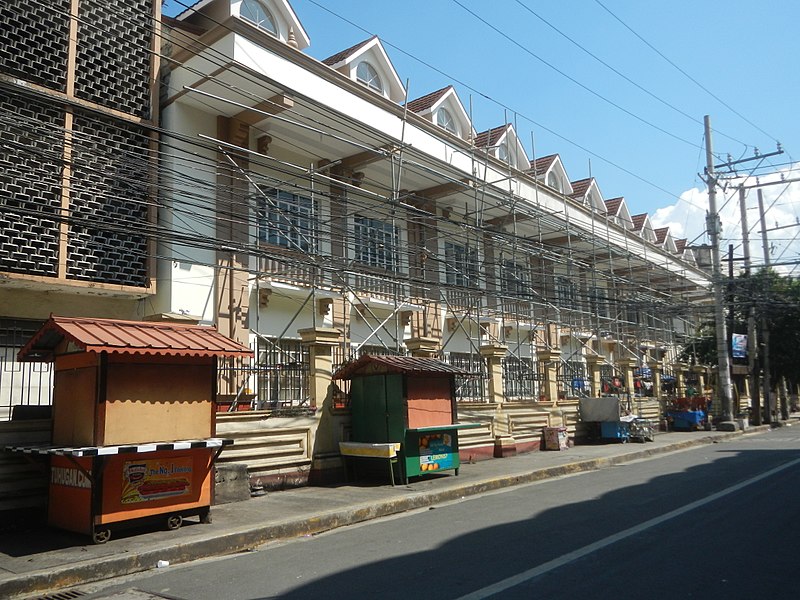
point(320, 342)
point(680, 379)
point(700, 372)
point(655, 374)
point(593, 364)
point(494, 354)
point(627, 365)
point(423, 347)
point(324, 443)
point(548, 359)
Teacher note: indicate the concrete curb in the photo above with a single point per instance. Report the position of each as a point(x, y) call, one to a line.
point(243, 539)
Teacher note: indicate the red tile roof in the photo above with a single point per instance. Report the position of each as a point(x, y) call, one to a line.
point(612, 206)
point(342, 55)
point(680, 245)
point(638, 221)
point(490, 137)
point(580, 187)
point(425, 102)
point(541, 165)
point(374, 364)
point(130, 337)
point(661, 234)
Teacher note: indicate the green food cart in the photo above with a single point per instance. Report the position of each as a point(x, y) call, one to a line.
point(410, 401)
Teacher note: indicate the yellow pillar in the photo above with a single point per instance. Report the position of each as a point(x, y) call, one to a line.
point(680, 379)
point(701, 372)
point(627, 365)
point(548, 359)
point(423, 347)
point(593, 364)
point(504, 443)
point(494, 354)
point(655, 375)
point(320, 342)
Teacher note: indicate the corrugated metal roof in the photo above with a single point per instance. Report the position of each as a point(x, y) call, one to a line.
point(130, 337)
point(375, 364)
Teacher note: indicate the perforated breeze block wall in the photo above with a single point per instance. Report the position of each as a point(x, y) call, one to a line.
point(114, 55)
point(107, 171)
point(108, 203)
point(31, 157)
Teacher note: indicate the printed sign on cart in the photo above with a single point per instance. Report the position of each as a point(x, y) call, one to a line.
point(146, 480)
point(435, 452)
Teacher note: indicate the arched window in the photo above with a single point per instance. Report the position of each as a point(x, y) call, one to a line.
point(504, 154)
point(367, 75)
point(446, 121)
point(258, 15)
point(554, 181)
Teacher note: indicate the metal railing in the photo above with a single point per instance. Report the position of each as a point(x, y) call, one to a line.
point(21, 383)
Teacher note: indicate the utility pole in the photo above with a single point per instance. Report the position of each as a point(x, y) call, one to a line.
point(755, 400)
point(725, 394)
point(725, 391)
point(768, 404)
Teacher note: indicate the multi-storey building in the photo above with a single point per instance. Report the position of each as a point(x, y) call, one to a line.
point(78, 107)
point(313, 210)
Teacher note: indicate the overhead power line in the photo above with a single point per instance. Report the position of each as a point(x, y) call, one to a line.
point(505, 106)
point(683, 72)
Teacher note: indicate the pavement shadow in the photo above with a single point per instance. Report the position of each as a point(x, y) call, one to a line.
point(39, 539)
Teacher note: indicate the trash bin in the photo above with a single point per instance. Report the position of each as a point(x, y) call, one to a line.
point(555, 438)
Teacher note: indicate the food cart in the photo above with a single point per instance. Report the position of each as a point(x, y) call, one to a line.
point(407, 401)
point(133, 421)
point(611, 420)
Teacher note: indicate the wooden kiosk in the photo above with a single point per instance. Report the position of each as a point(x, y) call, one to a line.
point(404, 407)
point(133, 420)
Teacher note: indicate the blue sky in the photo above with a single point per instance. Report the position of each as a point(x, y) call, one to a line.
point(508, 61)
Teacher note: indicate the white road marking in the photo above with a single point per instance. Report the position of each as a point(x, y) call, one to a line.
point(551, 565)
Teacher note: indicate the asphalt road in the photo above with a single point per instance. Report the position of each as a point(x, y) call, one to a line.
point(718, 521)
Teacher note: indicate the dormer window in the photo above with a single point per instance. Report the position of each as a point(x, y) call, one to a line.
point(505, 155)
point(554, 182)
point(367, 75)
point(257, 14)
point(446, 121)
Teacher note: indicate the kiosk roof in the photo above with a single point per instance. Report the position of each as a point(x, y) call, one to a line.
point(373, 364)
point(129, 337)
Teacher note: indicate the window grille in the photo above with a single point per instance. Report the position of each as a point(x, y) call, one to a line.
point(288, 220)
point(461, 265)
point(375, 243)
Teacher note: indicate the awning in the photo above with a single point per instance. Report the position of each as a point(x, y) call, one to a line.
point(130, 337)
point(374, 364)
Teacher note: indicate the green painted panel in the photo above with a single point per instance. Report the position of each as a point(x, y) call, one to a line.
point(368, 406)
point(395, 407)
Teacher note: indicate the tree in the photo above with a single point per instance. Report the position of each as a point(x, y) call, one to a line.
point(776, 299)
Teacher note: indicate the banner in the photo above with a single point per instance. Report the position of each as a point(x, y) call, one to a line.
point(739, 345)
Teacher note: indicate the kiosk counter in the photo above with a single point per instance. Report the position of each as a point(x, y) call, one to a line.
point(133, 421)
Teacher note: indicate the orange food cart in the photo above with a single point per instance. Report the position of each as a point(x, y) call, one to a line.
point(133, 421)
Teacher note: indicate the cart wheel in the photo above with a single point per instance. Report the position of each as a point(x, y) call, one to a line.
point(101, 536)
point(174, 522)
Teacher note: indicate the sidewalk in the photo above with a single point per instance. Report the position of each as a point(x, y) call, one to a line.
point(45, 560)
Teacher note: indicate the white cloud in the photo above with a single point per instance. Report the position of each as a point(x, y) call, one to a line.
point(687, 218)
